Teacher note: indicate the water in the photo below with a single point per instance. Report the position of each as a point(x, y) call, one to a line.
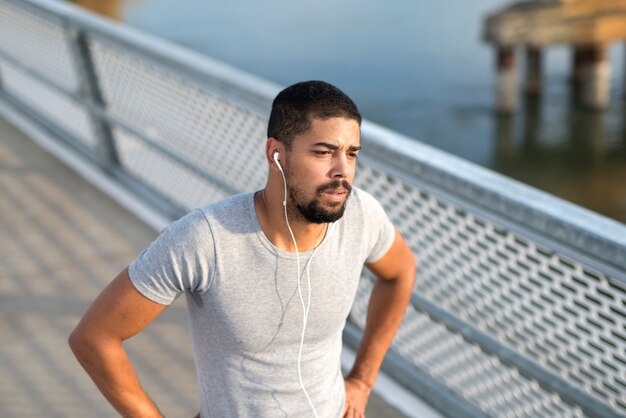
point(421, 68)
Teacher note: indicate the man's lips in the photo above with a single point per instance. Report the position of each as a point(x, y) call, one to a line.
point(336, 192)
point(336, 195)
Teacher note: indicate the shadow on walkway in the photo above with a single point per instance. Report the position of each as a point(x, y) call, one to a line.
point(61, 242)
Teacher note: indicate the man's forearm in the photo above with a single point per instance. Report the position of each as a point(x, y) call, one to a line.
point(386, 309)
point(108, 365)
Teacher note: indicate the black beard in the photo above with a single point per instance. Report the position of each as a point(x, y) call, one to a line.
point(313, 211)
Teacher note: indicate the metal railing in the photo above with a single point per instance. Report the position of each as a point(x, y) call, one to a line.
point(520, 304)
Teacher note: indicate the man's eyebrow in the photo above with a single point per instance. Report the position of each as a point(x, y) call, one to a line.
point(335, 147)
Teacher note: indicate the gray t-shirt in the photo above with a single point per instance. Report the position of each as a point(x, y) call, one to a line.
point(245, 312)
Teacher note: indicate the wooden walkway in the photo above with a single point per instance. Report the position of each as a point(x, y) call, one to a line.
point(61, 242)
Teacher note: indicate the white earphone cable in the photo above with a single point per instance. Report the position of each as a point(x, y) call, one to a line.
point(305, 308)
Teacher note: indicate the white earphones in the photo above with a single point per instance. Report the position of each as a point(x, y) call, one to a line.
point(276, 155)
point(305, 308)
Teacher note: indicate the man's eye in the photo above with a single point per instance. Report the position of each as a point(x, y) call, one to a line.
point(353, 155)
point(322, 152)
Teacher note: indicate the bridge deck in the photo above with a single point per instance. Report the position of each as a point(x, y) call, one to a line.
point(62, 241)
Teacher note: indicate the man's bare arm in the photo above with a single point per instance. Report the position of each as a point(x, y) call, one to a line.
point(117, 314)
point(387, 306)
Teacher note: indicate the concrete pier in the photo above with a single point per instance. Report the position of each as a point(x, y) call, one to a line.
point(588, 26)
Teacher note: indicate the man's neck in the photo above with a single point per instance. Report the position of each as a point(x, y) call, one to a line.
point(271, 216)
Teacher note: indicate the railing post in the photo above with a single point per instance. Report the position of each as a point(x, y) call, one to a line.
point(90, 90)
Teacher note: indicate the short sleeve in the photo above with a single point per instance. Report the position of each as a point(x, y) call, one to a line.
point(379, 229)
point(180, 260)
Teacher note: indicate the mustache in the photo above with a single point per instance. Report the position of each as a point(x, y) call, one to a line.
point(335, 185)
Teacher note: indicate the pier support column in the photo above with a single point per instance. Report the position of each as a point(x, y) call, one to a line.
point(596, 78)
point(533, 71)
point(579, 58)
point(506, 83)
point(578, 64)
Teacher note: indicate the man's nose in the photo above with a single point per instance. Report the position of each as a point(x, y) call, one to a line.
point(340, 166)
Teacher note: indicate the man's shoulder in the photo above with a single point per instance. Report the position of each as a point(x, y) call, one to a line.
point(233, 213)
point(230, 205)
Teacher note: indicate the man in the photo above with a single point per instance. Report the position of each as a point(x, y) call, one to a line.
point(269, 285)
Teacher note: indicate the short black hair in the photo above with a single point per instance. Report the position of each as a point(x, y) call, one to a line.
point(294, 107)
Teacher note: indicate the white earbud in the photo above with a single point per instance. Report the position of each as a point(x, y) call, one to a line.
point(284, 180)
point(277, 162)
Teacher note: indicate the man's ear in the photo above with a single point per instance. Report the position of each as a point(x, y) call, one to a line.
point(273, 145)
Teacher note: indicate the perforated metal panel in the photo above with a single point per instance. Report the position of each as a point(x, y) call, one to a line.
point(39, 41)
point(221, 139)
point(165, 175)
point(555, 310)
point(58, 108)
point(496, 389)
